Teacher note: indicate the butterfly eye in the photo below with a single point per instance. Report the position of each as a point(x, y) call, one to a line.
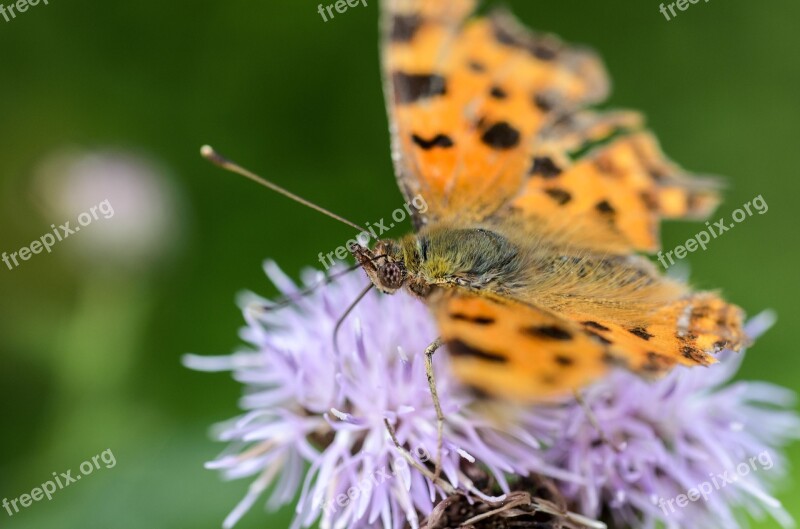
point(391, 275)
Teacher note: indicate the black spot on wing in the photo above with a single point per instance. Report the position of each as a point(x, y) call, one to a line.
point(501, 136)
point(504, 36)
point(657, 174)
point(458, 348)
point(595, 325)
point(544, 102)
point(476, 66)
point(693, 354)
point(409, 88)
point(693, 201)
point(404, 27)
point(543, 50)
point(649, 200)
point(498, 93)
point(564, 360)
point(605, 207)
point(440, 140)
point(545, 167)
point(641, 332)
point(552, 332)
point(605, 166)
point(477, 320)
point(559, 195)
point(602, 339)
point(477, 393)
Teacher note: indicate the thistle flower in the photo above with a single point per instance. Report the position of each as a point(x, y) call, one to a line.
point(314, 424)
point(689, 434)
point(309, 405)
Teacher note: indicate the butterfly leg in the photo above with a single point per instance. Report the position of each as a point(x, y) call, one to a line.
point(416, 464)
point(594, 422)
point(436, 404)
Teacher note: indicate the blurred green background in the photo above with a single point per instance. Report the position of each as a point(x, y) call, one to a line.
point(92, 337)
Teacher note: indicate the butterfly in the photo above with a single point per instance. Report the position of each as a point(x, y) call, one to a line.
point(529, 254)
point(539, 210)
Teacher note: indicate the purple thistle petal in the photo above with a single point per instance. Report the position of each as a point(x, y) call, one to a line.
point(679, 433)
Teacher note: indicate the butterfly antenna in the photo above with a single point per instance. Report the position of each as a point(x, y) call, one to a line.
point(345, 315)
point(289, 299)
point(214, 157)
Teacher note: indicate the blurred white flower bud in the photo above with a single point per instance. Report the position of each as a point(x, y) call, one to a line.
point(126, 207)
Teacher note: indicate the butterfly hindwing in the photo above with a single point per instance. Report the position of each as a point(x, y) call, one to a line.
point(614, 196)
point(687, 331)
point(523, 352)
point(511, 349)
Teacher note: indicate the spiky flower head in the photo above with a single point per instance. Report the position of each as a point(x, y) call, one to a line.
point(315, 423)
point(686, 451)
point(315, 413)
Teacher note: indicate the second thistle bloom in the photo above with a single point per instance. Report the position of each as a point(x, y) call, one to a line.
point(691, 449)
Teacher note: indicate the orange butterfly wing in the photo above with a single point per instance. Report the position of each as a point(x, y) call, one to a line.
point(488, 118)
point(520, 351)
point(613, 197)
point(467, 98)
point(514, 350)
point(489, 124)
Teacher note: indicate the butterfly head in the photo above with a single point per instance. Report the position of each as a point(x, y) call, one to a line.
point(383, 264)
point(393, 265)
